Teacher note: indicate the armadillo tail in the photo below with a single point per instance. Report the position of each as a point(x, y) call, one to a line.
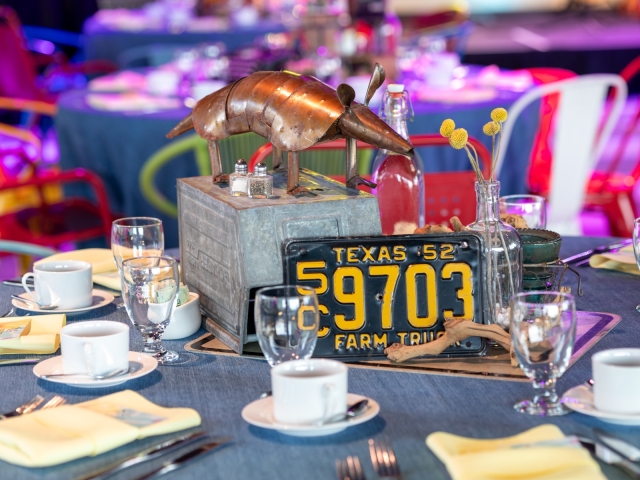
point(185, 125)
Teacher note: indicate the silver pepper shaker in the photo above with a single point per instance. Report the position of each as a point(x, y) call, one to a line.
point(239, 180)
point(260, 184)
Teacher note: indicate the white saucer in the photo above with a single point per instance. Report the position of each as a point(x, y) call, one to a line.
point(100, 299)
point(140, 364)
point(580, 399)
point(260, 414)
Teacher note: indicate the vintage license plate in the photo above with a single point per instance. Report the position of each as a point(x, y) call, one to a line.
point(376, 291)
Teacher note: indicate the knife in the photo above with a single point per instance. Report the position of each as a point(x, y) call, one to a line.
point(186, 458)
point(20, 361)
point(625, 449)
point(145, 455)
point(611, 457)
point(601, 249)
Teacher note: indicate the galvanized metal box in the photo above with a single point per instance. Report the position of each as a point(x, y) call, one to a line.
point(231, 246)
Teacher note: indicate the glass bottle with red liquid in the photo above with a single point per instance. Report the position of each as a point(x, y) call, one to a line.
point(399, 179)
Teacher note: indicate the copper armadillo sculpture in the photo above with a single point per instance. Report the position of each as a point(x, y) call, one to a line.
point(294, 112)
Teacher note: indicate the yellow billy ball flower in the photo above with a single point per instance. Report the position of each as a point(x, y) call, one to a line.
point(498, 115)
point(447, 127)
point(458, 138)
point(491, 128)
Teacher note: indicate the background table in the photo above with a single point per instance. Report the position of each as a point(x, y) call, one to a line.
point(116, 145)
point(102, 42)
point(412, 405)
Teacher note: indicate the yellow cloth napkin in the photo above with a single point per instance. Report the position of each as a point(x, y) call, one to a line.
point(58, 435)
point(623, 261)
point(471, 459)
point(103, 265)
point(41, 334)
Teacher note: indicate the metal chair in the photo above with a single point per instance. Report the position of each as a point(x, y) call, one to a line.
point(231, 149)
point(446, 193)
point(612, 190)
point(577, 144)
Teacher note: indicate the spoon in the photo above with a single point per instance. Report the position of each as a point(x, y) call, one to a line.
point(104, 376)
point(353, 411)
point(35, 304)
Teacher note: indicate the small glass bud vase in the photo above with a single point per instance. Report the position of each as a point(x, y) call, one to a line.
point(260, 184)
point(239, 180)
point(503, 253)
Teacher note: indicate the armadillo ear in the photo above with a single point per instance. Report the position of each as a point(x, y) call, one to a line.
point(346, 95)
point(377, 79)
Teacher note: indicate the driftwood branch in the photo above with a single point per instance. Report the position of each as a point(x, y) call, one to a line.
point(456, 330)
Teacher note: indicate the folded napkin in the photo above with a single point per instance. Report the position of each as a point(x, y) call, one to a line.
point(542, 453)
point(58, 435)
point(38, 335)
point(623, 261)
point(104, 267)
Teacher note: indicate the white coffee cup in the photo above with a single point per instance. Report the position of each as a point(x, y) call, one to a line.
point(94, 347)
point(65, 283)
point(308, 391)
point(616, 377)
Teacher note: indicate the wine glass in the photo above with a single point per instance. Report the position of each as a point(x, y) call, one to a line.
point(543, 331)
point(149, 289)
point(636, 245)
point(287, 322)
point(532, 208)
point(136, 237)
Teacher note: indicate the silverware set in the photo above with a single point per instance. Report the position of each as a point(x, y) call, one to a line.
point(383, 459)
point(34, 403)
point(162, 449)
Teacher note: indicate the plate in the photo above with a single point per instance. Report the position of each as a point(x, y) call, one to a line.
point(260, 414)
point(100, 299)
point(580, 399)
point(140, 364)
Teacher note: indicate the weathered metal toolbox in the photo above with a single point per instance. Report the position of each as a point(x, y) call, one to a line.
point(231, 246)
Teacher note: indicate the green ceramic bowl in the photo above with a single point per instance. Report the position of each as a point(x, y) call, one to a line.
point(539, 246)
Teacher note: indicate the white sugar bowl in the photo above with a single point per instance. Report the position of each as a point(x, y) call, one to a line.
point(186, 319)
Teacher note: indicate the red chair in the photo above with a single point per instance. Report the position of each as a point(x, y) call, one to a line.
point(540, 164)
point(446, 194)
point(612, 191)
point(60, 222)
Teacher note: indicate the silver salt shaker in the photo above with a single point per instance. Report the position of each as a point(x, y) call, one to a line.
point(239, 180)
point(260, 184)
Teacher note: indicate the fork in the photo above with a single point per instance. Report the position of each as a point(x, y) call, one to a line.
point(30, 406)
point(383, 459)
point(349, 469)
point(54, 402)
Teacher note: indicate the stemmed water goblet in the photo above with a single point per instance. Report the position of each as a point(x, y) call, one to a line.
point(149, 289)
point(287, 322)
point(543, 330)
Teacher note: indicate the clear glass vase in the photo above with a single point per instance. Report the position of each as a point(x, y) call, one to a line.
point(503, 253)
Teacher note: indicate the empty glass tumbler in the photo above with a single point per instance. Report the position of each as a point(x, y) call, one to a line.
point(532, 208)
point(287, 322)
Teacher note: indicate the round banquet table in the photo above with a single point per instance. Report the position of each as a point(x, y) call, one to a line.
point(115, 145)
point(412, 405)
point(104, 43)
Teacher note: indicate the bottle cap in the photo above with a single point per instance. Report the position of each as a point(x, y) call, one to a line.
point(395, 88)
point(241, 167)
point(260, 169)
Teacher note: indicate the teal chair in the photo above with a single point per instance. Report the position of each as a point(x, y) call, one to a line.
point(231, 149)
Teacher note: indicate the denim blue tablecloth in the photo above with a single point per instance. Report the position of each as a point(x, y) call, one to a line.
point(104, 43)
point(116, 145)
point(412, 405)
